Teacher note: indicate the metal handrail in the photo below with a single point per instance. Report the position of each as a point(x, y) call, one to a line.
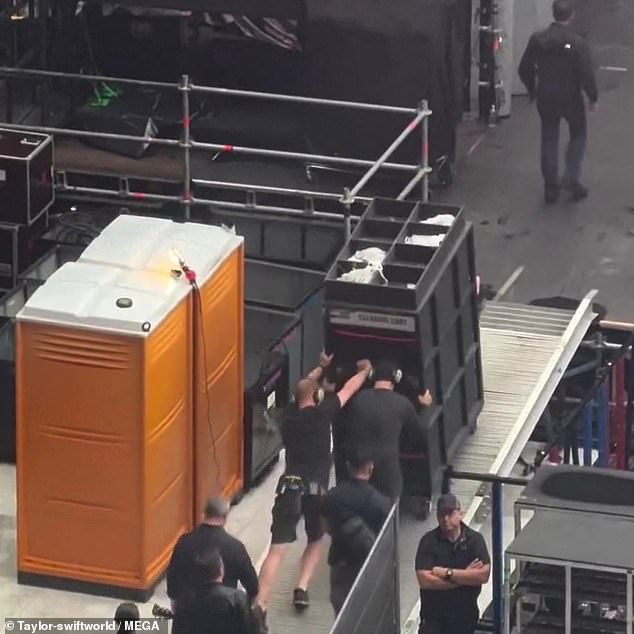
point(381, 161)
point(228, 92)
point(315, 101)
point(268, 189)
point(186, 87)
point(301, 156)
point(91, 134)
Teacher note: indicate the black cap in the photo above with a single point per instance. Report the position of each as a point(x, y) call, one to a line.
point(384, 370)
point(359, 456)
point(127, 612)
point(447, 503)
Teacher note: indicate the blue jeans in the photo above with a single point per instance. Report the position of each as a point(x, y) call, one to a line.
point(551, 114)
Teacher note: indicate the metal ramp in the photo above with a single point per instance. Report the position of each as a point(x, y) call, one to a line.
point(525, 350)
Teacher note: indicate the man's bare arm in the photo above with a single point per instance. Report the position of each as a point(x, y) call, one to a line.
point(324, 361)
point(428, 581)
point(476, 574)
point(472, 576)
point(354, 384)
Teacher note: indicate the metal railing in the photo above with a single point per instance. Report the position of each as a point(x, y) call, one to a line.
point(373, 603)
point(187, 145)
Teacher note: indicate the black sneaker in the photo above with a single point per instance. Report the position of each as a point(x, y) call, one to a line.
point(260, 618)
point(577, 192)
point(300, 599)
point(551, 195)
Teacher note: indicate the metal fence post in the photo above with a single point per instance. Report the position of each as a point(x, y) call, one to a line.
point(397, 574)
point(588, 412)
point(602, 429)
point(620, 398)
point(497, 513)
point(445, 486)
point(424, 106)
point(185, 88)
point(347, 201)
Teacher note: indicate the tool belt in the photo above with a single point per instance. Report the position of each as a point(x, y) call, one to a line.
point(300, 485)
point(291, 483)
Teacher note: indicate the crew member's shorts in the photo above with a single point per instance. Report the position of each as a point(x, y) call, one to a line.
point(288, 509)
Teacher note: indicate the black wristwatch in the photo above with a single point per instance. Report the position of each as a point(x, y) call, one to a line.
point(449, 574)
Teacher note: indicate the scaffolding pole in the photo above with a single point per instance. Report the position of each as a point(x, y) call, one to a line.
point(222, 204)
point(185, 86)
point(382, 160)
point(266, 189)
point(186, 144)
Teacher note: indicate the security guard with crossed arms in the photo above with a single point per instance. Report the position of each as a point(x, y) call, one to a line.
point(306, 438)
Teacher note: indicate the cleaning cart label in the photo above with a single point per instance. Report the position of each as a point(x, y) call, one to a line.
point(385, 321)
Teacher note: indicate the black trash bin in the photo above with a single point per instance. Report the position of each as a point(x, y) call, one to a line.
point(10, 305)
point(272, 347)
point(291, 290)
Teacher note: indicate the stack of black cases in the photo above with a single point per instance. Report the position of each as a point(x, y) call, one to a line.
point(420, 308)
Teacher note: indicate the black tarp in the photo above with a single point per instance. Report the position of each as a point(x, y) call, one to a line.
point(394, 53)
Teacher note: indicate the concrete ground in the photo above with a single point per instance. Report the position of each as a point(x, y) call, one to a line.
point(565, 249)
point(249, 521)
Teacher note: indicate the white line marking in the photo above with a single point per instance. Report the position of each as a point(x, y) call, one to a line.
point(476, 143)
point(509, 282)
point(614, 69)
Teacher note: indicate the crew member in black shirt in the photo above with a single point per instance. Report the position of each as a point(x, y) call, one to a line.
point(376, 417)
point(210, 535)
point(306, 437)
point(333, 381)
point(355, 513)
point(452, 565)
point(211, 606)
point(556, 68)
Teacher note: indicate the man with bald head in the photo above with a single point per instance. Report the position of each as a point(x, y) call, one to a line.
point(306, 437)
point(209, 536)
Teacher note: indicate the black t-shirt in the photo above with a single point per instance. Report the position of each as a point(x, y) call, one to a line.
point(376, 417)
point(237, 563)
point(214, 608)
point(436, 550)
point(306, 437)
point(353, 498)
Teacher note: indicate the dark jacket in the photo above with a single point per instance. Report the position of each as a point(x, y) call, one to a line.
point(557, 67)
point(236, 560)
point(355, 512)
point(214, 609)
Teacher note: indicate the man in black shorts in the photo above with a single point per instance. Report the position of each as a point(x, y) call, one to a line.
point(375, 419)
point(306, 436)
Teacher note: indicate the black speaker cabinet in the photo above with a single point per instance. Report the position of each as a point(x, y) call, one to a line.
point(26, 176)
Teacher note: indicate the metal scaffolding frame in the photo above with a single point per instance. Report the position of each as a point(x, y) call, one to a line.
point(420, 172)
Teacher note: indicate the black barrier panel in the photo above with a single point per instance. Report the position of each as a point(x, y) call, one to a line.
point(10, 305)
point(373, 605)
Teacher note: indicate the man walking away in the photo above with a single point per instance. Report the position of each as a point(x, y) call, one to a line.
point(306, 437)
point(452, 565)
point(210, 535)
point(556, 69)
point(208, 605)
point(355, 513)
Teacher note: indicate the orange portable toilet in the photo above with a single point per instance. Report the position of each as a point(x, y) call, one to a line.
point(216, 255)
point(104, 407)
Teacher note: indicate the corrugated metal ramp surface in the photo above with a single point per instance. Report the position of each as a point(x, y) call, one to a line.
point(524, 351)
